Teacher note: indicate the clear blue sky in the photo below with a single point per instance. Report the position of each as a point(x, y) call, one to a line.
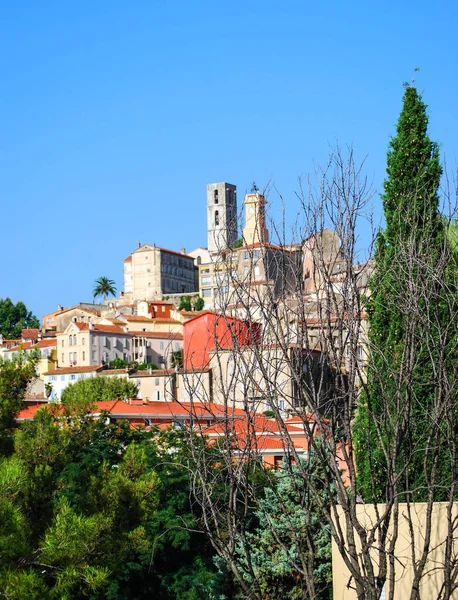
point(115, 115)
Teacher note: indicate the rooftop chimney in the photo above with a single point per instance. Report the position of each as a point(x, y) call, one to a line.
point(139, 245)
point(183, 251)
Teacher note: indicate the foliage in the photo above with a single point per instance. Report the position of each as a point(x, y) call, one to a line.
point(96, 509)
point(104, 287)
point(291, 537)
point(238, 243)
point(199, 303)
point(119, 363)
point(81, 395)
point(185, 303)
point(14, 318)
point(177, 359)
point(15, 377)
point(408, 318)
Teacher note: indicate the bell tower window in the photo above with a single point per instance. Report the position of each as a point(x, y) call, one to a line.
point(215, 197)
point(216, 218)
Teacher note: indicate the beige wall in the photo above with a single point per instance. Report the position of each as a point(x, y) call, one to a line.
point(157, 386)
point(433, 579)
point(74, 345)
point(194, 386)
point(237, 378)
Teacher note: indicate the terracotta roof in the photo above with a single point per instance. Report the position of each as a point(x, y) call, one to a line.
point(155, 373)
point(21, 346)
point(166, 321)
point(30, 411)
point(101, 328)
point(30, 334)
point(263, 245)
point(157, 335)
point(11, 342)
point(138, 318)
point(65, 370)
point(164, 250)
point(128, 259)
point(93, 311)
point(114, 372)
point(49, 343)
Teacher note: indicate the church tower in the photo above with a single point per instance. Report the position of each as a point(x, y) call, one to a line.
point(221, 216)
point(255, 230)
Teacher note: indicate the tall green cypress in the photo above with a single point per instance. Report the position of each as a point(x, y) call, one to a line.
point(395, 445)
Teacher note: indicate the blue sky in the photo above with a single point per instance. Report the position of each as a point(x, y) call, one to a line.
point(114, 117)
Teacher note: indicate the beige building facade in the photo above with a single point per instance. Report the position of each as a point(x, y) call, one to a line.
point(151, 271)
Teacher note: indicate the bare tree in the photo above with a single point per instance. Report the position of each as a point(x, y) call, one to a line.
point(306, 365)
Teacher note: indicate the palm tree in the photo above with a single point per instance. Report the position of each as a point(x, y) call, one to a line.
point(104, 287)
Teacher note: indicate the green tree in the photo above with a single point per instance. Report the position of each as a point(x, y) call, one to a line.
point(15, 377)
point(409, 319)
point(185, 303)
point(80, 396)
point(199, 303)
point(291, 536)
point(14, 318)
point(104, 287)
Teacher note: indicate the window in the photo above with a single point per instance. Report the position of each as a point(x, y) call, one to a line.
point(216, 218)
point(206, 280)
point(206, 293)
point(215, 197)
point(74, 340)
point(83, 340)
point(63, 357)
point(72, 376)
point(246, 255)
point(156, 381)
point(63, 343)
point(206, 270)
point(84, 355)
point(62, 377)
point(158, 395)
point(93, 355)
point(161, 345)
point(70, 340)
point(105, 341)
point(257, 254)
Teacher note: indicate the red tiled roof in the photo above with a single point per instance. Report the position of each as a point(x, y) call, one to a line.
point(21, 346)
point(49, 343)
point(30, 334)
point(128, 259)
point(101, 328)
point(138, 318)
point(155, 373)
point(157, 335)
point(65, 370)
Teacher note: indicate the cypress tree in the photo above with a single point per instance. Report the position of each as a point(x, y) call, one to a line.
point(407, 319)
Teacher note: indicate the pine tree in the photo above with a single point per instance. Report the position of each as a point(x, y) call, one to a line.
point(407, 320)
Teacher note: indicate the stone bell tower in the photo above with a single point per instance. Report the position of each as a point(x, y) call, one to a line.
point(221, 216)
